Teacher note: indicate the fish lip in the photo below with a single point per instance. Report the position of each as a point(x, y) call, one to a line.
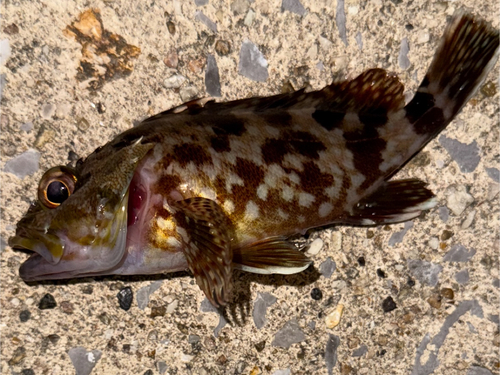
point(49, 247)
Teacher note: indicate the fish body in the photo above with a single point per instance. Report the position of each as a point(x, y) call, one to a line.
point(215, 186)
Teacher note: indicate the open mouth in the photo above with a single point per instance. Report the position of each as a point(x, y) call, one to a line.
point(48, 246)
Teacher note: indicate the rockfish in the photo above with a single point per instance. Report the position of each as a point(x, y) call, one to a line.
point(211, 187)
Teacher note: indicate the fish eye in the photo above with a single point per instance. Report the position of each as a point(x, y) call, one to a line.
point(56, 185)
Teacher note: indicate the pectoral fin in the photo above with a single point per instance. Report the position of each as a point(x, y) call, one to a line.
point(272, 255)
point(207, 246)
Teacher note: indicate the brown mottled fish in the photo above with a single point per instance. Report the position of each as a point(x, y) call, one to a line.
point(214, 186)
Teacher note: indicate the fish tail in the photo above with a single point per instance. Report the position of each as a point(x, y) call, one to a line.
point(467, 52)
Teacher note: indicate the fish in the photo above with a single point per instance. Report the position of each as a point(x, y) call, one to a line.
point(212, 187)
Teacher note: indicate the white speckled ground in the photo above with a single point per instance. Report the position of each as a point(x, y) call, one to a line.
point(41, 88)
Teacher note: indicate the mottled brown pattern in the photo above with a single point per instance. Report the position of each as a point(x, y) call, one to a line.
point(220, 143)
point(274, 150)
point(313, 181)
point(306, 144)
point(367, 156)
point(167, 183)
point(230, 125)
point(188, 152)
point(328, 119)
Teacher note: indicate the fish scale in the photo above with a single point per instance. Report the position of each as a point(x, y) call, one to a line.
point(211, 187)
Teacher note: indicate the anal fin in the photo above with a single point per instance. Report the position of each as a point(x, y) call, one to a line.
point(275, 255)
point(395, 202)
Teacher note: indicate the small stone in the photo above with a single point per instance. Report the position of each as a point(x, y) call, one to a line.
point(468, 220)
point(489, 89)
point(84, 361)
point(345, 369)
point(199, 16)
point(174, 82)
point(222, 47)
point(476, 370)
point(54, 338)
point(388, 304)
point(212, 78)
point(433, 243)
point(260, 306)
point(125, 297)
point(171, 27)
point(240, 6)
point(328, 267)
point(87, 289)
point(316, 294)
point(459, 253)
point(493, 173)
point(18, 356)
point(249, 18)
point(462, 277)
point(282, 372)
point(466, 155)
point(403, 60)
point(336, 241)
point(186, 358)
point(260, 346)
point(293, 6)
point(82, 124)
point(434, 301)
point(171, 59)
point(340, 20)
point(67, 307)
point(47, 302)
point(398, 236)
point(381, 273)
point(425, 272)
point(444, 214)
point(104, 318)
point(315, 247)
point(24, 315)
point(200, 3)
point(448, 293)
point(361, 261)
point(24, 164)
point(196, 66)
point(11, 29)
point(331, 352)
point(361, 351)
point(27, 127)
point(172, 306)
point(423, 37)
point(291, 333)
point(333, 319)
point(252, 63)
point(446, 235)
point(188, 93)
point(359, 40)
point(28, 371)
point(158, 311)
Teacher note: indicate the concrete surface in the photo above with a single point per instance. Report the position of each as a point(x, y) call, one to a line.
point(437, 276)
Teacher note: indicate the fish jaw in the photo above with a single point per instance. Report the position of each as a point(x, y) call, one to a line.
point(61, 255)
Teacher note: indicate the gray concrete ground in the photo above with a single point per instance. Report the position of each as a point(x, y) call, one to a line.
point(436, 277)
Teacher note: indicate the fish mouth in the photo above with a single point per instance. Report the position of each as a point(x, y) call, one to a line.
point(58, 256)
point(48, 246)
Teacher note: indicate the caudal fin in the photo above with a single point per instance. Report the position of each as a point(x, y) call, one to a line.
point(467, 52)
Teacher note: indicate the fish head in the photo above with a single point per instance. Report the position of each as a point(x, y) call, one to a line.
point(78, 225)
